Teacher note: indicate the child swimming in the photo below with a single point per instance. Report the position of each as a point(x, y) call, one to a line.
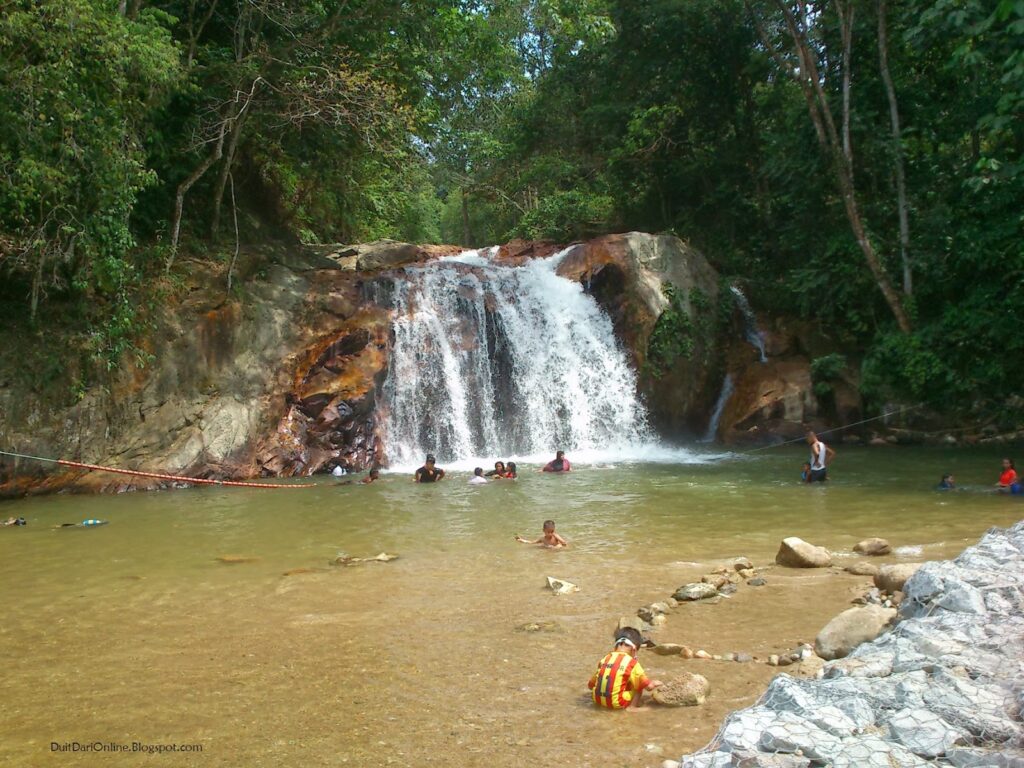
point(548, 539)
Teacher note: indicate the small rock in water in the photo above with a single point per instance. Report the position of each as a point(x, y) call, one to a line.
point(671, 602)
point(686, 652)
point(659, 620)
point(237, 559)
point(872, 547)
point(862, 569)
point(538, 626)
point(773, 660)
point(660, 607)
point(794, 552)
point(760, 581)
point(686, 690)
point(729, 657)
point(744, 658)
point(728, 589)
point(746, 573)
point(743, 564)
point(701, 654)
point(560, 586)
point(690, 592)
point(297, 571)
point(632, 621)
point(667, 649)
point(669, 764)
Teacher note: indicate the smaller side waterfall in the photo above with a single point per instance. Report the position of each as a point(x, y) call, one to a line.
point(753, 333)
point(716, 415)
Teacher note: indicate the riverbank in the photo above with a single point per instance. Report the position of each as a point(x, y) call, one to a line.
point(946, 684)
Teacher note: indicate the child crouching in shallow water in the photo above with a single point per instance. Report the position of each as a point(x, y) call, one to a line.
point(549, 538)
point(620, 681)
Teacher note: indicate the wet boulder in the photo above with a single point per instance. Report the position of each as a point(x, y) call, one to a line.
point(685, 690)
point(873, 547)
point(794, 552)
point(891, 578)
point(851, 628)
point(697, 591)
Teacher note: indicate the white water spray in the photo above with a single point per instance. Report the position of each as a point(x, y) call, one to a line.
point(502, 362)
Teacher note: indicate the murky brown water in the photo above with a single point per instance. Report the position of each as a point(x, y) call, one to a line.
point(134, 632)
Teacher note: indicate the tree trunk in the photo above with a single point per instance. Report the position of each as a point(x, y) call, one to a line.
point(838, 149)
point(185, 186)
point(222, 178)
point(897, 146)
point(234, 214)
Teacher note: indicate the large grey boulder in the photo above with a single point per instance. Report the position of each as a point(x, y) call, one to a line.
point(794, 552)
point(873, 752)
point(790, 733)
point(924, 733)
point(851, 628)
point(893, 578)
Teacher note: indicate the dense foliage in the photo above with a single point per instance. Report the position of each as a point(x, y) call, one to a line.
point(858, 163)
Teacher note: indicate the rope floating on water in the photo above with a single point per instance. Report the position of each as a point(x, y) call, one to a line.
point(157, 475)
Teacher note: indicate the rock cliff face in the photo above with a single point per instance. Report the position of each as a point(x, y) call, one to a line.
point(285, 380)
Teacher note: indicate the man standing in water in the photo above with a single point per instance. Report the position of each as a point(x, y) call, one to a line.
point(560, 464)
point(821, 457)
point(428, 473)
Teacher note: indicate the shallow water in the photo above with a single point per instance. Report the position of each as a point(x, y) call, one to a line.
point(134, 631)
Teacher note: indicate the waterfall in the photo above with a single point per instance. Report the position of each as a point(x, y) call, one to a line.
point(753, 333)
point(716, 415)
point(500, 361)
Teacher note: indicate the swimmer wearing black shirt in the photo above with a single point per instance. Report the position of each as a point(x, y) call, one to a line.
point(428, 473)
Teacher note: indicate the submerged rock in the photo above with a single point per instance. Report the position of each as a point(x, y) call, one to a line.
point(851, 628)
point(237, 559)
point(794, 552)
point(685, 690)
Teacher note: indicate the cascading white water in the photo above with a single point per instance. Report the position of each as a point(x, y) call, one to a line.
point(503, 361)
point(716, 415)
point(753, 333)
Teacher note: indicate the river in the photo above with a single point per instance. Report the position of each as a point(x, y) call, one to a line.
point(137, 632)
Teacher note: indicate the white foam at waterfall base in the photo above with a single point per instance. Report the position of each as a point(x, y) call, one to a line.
point(509, 362)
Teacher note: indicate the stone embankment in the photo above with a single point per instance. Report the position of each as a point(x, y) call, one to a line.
point(944, 687)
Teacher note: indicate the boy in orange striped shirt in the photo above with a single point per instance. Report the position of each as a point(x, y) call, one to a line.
point(620, 681)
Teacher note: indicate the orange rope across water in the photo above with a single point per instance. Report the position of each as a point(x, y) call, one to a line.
point(157, 475)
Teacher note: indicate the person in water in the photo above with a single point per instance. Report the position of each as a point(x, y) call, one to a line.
point(373, 477)
point(13, 521)
point(559, 464)
point(548, 538)
point(1009, 482)
point(510, 471)
point(947, 483)
point(805, 472)
point(620, 681)
point(821, 457)
point(429, 472)
point(498, 471)
point(478, 477)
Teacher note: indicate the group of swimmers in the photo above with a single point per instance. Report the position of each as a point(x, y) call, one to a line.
point(431, 473)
